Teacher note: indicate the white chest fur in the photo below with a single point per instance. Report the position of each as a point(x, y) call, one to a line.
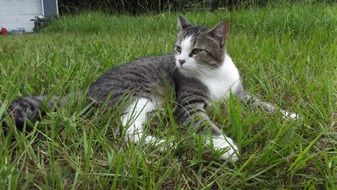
point(221, 81)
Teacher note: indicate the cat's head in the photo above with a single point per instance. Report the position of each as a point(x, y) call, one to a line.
point(197, 48)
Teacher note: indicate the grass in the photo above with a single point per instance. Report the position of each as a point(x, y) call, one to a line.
point(286, 55)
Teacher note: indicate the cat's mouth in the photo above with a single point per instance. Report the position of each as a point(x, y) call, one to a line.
point(183, 67)
point(187, 71)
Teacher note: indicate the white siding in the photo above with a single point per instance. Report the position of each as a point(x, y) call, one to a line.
point(17, 13)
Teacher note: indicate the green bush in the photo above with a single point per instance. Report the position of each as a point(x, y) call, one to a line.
point(144, 6)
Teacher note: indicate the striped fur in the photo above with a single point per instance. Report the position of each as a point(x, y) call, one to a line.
point(30, 107)
point(25, 108)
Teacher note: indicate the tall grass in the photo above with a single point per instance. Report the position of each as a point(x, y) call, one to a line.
point(286, 55)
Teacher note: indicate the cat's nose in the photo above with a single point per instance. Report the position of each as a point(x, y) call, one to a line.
point(181, 61)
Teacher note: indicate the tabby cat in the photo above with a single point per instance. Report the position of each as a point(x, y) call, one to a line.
point(200, 71)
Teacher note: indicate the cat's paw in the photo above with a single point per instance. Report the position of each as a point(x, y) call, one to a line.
point(161, 143)
point(223, 143)
point(291, 116)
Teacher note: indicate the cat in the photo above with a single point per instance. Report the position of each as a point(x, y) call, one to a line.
point(200, 71)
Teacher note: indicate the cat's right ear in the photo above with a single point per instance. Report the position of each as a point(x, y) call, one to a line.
point(183, 23)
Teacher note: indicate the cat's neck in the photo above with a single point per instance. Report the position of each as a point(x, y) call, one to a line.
point(221, 81)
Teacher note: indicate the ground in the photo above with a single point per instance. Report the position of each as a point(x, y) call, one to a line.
point(286, 55)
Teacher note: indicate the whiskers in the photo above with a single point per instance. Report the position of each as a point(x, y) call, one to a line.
point(197, 70)
point(203, 70)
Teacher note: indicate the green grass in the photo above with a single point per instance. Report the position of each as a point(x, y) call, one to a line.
point(286, 55)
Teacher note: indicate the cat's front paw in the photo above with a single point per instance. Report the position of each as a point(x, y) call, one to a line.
point(223, 143)
point(162, 144)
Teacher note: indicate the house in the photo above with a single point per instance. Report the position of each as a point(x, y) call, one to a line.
point(17, 14)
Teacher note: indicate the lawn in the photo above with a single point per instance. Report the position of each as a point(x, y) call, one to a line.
point(287, 55)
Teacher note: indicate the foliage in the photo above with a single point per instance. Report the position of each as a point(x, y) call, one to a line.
point(145, 6)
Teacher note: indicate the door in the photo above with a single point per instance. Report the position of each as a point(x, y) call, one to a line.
point(17, 13)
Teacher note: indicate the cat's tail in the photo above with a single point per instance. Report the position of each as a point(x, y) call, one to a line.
point(31, 108)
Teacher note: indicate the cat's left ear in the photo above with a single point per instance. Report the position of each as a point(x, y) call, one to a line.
point(220, 32)
point(183, 23)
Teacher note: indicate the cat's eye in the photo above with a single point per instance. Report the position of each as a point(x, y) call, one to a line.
point(177, 49)
point(196, 51)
